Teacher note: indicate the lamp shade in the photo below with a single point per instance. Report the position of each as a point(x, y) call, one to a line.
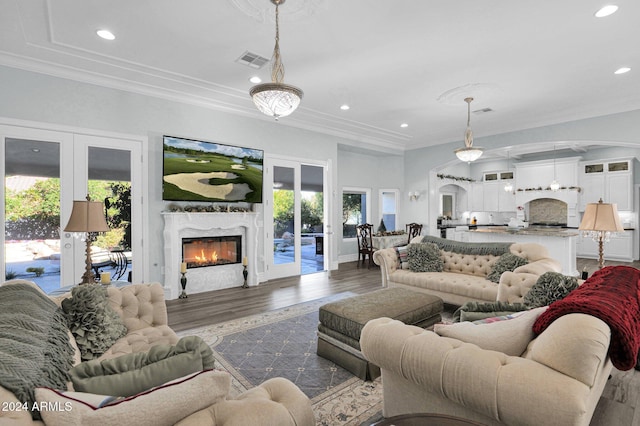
point(601, 217)
point(87, 216)
point(468, 154)
point(276, 99)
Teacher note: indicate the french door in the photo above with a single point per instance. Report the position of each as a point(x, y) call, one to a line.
point(295, 240)
point(43, 172)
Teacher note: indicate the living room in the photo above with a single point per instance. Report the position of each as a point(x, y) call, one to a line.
point(80, 101)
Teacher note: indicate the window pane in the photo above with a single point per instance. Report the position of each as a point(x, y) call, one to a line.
point(389, 210)
point(353, 212)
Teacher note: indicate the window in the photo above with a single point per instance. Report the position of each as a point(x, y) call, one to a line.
point(389, 208)
point(355, 210)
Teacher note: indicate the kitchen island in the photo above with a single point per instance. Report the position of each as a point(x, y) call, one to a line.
point(560, 242)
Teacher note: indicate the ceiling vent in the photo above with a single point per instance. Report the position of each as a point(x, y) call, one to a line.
point(252, 60)
point(482, 110)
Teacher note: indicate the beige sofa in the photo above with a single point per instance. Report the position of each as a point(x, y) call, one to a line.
point(143, 311)
point(464, 277)
point(424, 372)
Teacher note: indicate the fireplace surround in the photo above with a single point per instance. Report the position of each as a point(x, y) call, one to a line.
point(179, 226)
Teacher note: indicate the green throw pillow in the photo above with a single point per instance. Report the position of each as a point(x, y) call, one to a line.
point(506, 262)
point(424, 257)
point(551, 286)
point(473, 311)
point(133, 373)
point(94, 324)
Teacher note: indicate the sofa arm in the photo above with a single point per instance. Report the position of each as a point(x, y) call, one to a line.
point(276, 402)
point(505, 389)
point(139, 305)
point(513, 286)
point(387, 259)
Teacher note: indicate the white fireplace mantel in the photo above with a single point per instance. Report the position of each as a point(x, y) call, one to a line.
point(179, 225)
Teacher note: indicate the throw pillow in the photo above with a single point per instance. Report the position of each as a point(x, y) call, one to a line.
point(94, 324)
point(472, 311)
point(161, 406)
point(133, 373)
point(551, 286)
point(506, 262)
point(403, 260)
point(510, 337)
point(424, 257)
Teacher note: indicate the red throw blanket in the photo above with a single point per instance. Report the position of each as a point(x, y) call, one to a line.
point(613, 295)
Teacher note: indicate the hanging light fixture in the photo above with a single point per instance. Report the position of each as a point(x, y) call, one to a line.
point(276, 98)
point(469, 153)
point(554, 186)
point(508, 187)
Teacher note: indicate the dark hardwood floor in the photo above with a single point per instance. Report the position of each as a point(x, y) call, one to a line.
point(223, 305)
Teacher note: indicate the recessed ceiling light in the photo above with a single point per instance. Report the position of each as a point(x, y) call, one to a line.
point(106, 34)
point(255, 79)
point(344, 107)
point(403, 125)
point(607, 10)
point(36, 150)
point(622, 70)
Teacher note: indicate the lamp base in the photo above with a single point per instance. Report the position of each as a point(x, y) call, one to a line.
point(245, 274)
point(183, 284)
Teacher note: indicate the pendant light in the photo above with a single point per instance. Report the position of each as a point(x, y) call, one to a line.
point(508, 187)
point(554, 186)
point(469, 153)
point(276, 98)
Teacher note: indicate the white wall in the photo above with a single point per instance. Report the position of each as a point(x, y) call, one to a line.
point(46, 99)
point(368, 171)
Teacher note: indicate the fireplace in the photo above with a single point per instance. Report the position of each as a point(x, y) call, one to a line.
point(239, 227)
point(211, 251)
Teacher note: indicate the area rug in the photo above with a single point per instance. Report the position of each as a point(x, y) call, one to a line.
point(283, 343)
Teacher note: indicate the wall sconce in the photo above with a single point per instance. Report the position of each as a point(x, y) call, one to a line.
point(414, 195)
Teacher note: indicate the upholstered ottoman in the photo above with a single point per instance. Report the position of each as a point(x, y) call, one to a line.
point(341, 323)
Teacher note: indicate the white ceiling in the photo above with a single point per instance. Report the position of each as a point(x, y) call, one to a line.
point(533, 63)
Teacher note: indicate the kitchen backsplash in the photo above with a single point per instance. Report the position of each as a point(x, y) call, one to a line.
point(547, 210)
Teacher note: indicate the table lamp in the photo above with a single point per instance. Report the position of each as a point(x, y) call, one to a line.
point(87, 216)
point(599, 221)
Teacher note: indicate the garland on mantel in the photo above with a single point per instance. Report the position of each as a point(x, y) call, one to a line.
point(456, 178)
point(570, 188)
point(212, 208)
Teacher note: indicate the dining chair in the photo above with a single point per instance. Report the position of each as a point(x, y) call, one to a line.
point(365, 243)
point(413, 229)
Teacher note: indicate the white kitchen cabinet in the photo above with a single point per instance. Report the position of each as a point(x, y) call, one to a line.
point(620, 190)
point(506, 200)
point(619, 247)
point(492, 196)
point(611, 180)
point(476, 198)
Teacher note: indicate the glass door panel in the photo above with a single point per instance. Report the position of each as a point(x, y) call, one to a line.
point(284, 215)
point(282, 218)
point(32, 201)
point(110, 182)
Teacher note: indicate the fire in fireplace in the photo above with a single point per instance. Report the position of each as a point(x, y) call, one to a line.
point(212, 251)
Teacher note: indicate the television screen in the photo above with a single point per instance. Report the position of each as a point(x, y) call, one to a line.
point(210, 171)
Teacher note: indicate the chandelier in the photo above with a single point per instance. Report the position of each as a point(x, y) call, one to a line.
point(469, 153)
point(276, 98)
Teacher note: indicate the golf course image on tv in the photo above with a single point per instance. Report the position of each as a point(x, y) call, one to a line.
point(196, 170)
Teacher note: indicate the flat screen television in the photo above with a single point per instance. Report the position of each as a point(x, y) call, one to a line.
point(196, 170)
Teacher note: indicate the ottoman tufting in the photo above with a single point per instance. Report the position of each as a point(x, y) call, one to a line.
point(341, 323)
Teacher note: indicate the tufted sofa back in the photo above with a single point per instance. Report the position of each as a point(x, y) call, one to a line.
point(470, 264)
point(139, 305)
